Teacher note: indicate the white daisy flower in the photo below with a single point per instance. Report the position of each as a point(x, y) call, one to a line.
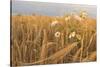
point(83, 14)
point(72, 34)
point(57, 34)
point(54, 23)
point(78, 18)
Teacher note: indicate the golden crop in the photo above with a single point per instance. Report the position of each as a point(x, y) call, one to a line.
point(52, 40)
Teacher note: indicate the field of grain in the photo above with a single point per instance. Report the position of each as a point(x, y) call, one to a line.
point(38, 39)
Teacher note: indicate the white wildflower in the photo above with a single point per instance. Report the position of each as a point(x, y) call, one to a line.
point(83, 14)
point(57, 34)
point(72, 34)
point(54, 23)
point(78, 18)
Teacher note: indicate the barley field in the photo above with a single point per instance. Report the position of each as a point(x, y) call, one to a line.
point(39, 39)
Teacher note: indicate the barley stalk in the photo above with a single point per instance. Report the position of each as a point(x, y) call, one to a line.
point(57, 56)
point(91, 57)
point(77, 54)
point(44, 47)
point(81, 54)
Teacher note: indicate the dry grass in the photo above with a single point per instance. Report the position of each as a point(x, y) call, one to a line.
point(36, 40)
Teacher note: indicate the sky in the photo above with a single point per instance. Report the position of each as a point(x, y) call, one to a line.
point(50, 9)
